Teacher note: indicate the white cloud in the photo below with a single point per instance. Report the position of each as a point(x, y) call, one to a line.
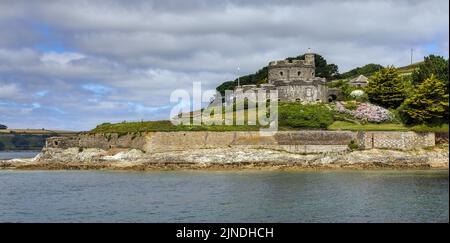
point(96, 61)
point(60, 58)
point(9, 91)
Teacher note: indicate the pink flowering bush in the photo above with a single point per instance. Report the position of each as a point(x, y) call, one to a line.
point(366, 112)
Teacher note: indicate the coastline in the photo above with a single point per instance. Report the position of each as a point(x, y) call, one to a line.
point(230, 159)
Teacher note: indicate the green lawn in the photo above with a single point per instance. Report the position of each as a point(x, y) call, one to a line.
point(164, 126)
point(292, 116)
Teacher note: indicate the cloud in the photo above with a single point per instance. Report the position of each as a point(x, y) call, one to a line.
point(60, 58)
point(9, 91)
point(88, 62)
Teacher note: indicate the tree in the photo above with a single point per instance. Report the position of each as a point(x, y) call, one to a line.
point(3, 127)
point(20, 142)
point(386, 88)
point(432, 64)
point(427, 104)
point(366, 70)
point(323, 69)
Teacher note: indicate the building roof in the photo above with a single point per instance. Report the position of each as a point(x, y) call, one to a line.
point(360, 79)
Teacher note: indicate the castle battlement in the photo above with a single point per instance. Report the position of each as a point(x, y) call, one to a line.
point(294, 62)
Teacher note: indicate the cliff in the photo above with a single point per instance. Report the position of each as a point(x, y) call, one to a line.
point(202, 150)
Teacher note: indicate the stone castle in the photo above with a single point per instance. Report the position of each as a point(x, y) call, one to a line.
point(295, 81)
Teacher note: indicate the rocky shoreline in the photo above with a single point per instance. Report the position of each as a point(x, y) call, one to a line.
point(231, 158)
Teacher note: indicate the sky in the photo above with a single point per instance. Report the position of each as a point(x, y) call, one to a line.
point(75, 64)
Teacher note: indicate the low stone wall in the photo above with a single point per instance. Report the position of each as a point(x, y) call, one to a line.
point(102, 141)
point(395, 140)
point(292, 141)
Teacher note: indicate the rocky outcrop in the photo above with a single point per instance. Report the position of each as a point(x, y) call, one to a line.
point(194, 150)
point(223, 158)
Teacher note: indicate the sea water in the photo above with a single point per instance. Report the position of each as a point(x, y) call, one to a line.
point(228, 196)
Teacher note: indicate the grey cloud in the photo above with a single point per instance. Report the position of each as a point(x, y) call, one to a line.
point(140, 51)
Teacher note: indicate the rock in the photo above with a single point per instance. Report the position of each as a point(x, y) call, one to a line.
point(244, 158)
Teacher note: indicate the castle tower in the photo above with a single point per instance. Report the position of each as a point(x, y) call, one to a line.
point(295, 80)
point(309, 57)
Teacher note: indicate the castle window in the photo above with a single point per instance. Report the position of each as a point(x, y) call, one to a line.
point(298, 73)
point(281, 73)
point(312, 73)
point(297, 100)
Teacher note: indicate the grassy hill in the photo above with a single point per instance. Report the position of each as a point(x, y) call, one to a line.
point(292, 116)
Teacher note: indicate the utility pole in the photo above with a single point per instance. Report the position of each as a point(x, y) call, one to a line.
point(238, 76)
point(412, 50)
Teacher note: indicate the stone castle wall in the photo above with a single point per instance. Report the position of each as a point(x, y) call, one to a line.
point(292, 141)
point(306, 92)
point(295, 80)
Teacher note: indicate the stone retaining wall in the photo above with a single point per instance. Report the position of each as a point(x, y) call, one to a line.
point(292, 141)
point(396, 140)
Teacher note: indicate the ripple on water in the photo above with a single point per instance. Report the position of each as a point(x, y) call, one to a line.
point(276, 196)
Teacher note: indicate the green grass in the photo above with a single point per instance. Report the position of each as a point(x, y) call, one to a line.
point(343, 125)
point(164, 126)
point(425, 128)
point(292, 116)
point(167, 126)
point(409, 68)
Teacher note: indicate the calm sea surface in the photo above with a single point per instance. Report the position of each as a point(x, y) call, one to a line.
point(182, 196)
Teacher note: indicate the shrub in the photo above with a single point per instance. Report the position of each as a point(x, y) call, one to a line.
point(351, 105)
point(432, 64)
point(386, 88)
point(359, 95)
point(305, 115)
point(365, 112)
point(427, 104)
